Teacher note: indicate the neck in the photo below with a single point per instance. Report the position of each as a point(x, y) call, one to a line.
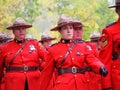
point(19, 40)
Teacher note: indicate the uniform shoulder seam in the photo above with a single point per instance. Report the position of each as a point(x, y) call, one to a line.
point(53, 44)
point(110, 24)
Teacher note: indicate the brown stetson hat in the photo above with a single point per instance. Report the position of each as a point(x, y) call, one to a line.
point(95, 36)
point(19, 22)
point(77, 22)
point(45, 37)
point(117, 4)
point(4, 37)
point(63, 20)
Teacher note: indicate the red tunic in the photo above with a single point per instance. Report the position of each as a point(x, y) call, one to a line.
point(111, 45)
point(29, 56)
point(3, 84)
point(42, 66)
point(42, 62)
point(93, 79)
point(77, 57)
point(3, 80)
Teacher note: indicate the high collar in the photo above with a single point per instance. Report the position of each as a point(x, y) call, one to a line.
point(19, 41)
point(118, 20)
point(78, 41)
point(65, 41)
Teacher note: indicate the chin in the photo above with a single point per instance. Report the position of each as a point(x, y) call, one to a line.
point(22, 38)
point(69, 38)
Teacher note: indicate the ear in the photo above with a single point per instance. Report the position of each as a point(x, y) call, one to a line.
point(13, 31)
point(117, 9)
point(59, 31)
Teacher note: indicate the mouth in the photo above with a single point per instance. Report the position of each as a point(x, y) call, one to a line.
point(22, 34)
point(69, 34)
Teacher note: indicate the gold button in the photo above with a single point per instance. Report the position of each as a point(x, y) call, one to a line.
point(60, 56)
point(114, 66)
point(75, 75)
point(25, 72)
point(68, 44)
point(73, 59)
point(88, 80)
point(58, 81)
point(39, 71)
point(81, 53)
point(22, 57)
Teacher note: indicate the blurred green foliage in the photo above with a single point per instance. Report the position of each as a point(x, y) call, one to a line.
point(43, 14)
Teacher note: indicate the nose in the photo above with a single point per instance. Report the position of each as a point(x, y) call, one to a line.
point(68, 30)
point(21, 29)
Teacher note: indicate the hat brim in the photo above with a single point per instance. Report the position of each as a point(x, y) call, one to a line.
point(13, 27)
point(78, 24)
point(95, 38)
point(47, 39)
point(4, 39)
point(58, 26)
point(114, 6)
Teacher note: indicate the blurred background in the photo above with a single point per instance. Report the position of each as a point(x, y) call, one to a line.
point(43, 14)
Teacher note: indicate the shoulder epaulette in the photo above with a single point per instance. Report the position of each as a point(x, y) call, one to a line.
point(110, 24)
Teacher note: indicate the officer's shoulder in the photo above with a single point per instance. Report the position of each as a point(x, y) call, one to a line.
point(31, 39)
point(52, 45)
point(79, 41)
point(111, 24)
point(7, 43)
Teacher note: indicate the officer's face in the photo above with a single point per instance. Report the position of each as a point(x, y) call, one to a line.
point(97, 44)
point(118, 11)
point(20, 33)
point(46, 44)
point(78, 33)
point(66, 32)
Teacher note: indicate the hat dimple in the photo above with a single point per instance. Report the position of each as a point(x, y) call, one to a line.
point(95, 35)
point(46, 36)
point(19, 21)
point(64, 19)
point(77, 22)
